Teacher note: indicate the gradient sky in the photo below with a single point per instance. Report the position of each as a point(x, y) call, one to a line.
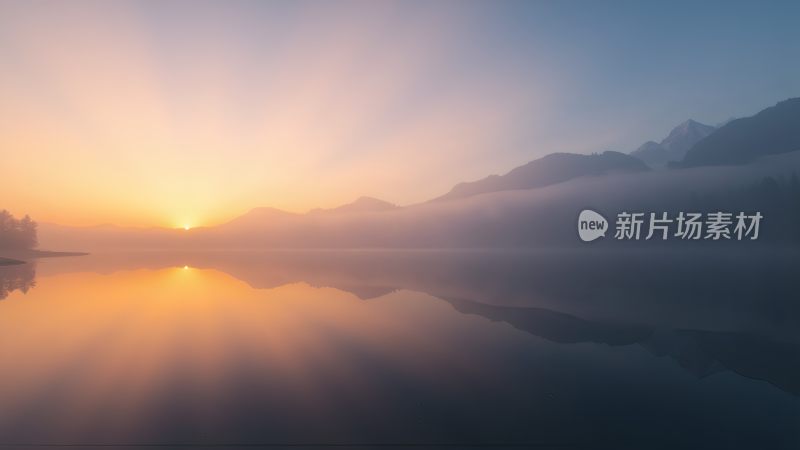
point(169, 113)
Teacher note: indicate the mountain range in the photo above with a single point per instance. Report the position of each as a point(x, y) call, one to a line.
point(772, 131)
point(532, 205)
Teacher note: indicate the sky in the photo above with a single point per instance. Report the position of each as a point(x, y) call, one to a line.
point(172, 113)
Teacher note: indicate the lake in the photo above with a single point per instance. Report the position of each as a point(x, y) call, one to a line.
point(579, 348)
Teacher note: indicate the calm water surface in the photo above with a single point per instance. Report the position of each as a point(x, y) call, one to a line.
point(573, 349)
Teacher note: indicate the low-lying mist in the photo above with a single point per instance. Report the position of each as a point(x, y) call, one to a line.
point(542, 217)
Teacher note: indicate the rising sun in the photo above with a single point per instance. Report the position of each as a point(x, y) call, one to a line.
point(186, 227)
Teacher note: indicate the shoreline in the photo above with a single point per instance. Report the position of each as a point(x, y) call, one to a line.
point(16, 257)
point(10, 262)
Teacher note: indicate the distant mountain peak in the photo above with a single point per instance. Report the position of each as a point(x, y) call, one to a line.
point(691, 123)
point(673, 147)
point(361, 204)
point(370, 201)
point(689, 127)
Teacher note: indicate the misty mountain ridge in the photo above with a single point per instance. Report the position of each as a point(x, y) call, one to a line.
point(359, 205)
point(512, 219)
point(675, 145)
point(550, 169)
point(772, 131)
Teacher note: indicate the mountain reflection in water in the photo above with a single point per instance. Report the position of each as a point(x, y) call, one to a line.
point(578, 348)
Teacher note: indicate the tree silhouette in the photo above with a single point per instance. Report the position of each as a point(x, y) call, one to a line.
point(17, 233)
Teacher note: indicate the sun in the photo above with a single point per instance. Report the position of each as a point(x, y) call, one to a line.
point(186, 227)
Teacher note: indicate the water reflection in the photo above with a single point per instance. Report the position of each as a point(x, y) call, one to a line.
point(17, 277)
point(405, 347)
point(702, 353)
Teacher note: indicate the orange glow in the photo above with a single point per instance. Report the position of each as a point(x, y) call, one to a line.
point(105, 122)
point(137, 332)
